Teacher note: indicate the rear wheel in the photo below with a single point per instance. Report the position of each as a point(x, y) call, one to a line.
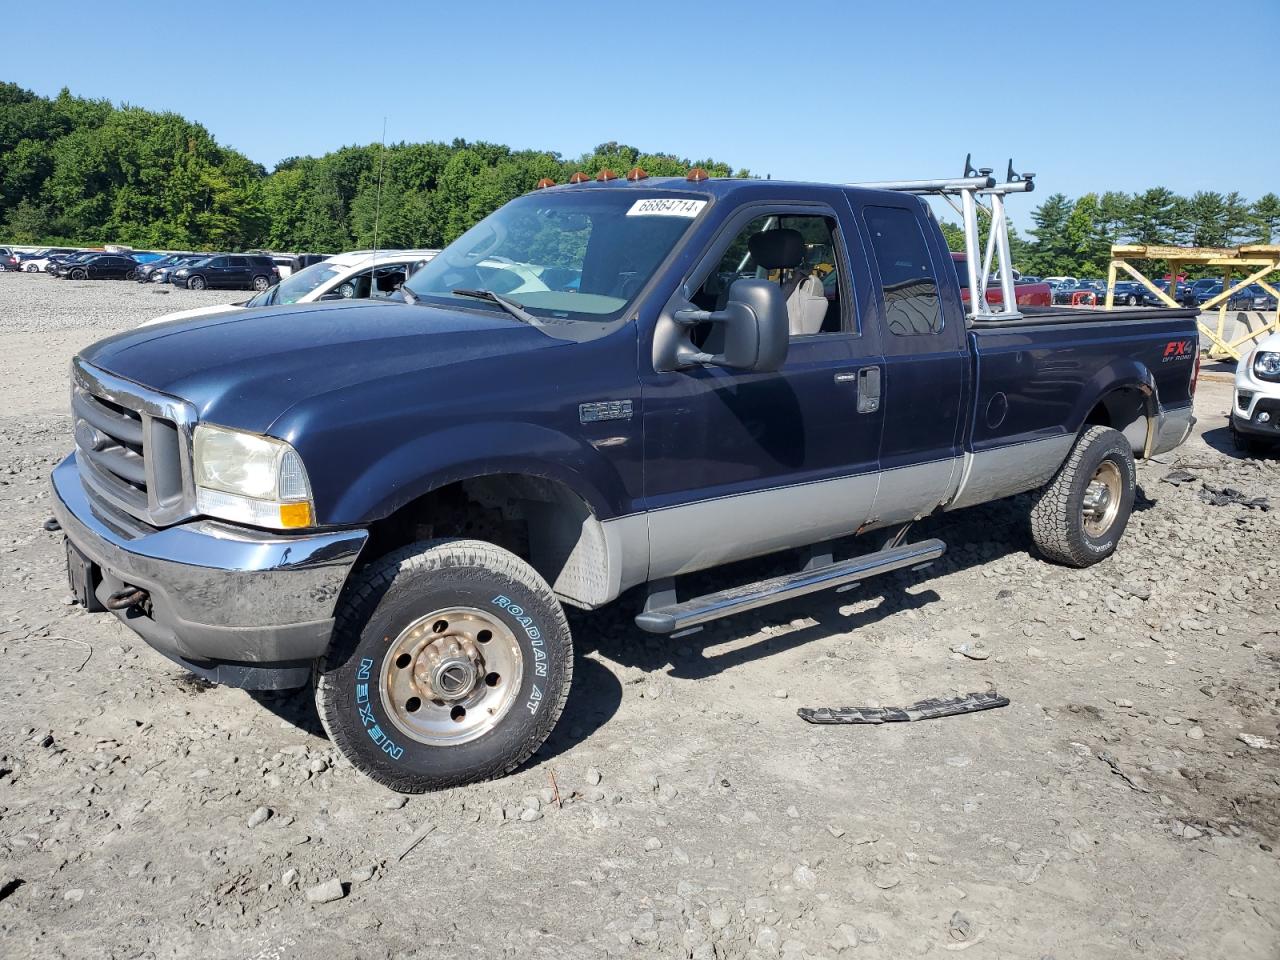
point(196, 283)
point(31, 268)
point(261, 283)
point(1080, 514)
point(451, 662)
point(1132, 300)
point(347, 290)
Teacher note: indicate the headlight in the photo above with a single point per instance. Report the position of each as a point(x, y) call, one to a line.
point(250, 478)
point(183, 272)
point(1266, 365)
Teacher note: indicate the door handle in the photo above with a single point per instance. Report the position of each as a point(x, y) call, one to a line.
point(846, 377)
point(869, 390)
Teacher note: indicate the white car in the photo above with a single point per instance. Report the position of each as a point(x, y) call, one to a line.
point(361, 274)
point(1255, 410)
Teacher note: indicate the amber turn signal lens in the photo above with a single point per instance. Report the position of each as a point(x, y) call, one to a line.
point(295, 514)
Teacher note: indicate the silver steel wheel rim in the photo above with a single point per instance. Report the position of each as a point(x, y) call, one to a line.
point(1102, 499)
point(260, 284)
point(451, 676)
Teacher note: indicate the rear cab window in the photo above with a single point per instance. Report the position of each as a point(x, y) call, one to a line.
point(912, 307)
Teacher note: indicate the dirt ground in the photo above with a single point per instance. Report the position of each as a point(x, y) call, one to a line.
point(1114, 809)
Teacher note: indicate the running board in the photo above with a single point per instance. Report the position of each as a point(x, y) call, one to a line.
point(681, 616)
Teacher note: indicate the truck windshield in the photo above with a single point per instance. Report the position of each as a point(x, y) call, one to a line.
point(563, 255)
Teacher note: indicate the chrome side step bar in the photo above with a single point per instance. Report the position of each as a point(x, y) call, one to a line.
point(678, 617)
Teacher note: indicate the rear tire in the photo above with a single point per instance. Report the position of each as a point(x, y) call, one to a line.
point(1081, 513)
point(433, 613)
point(261, 283)
point(1132, 300)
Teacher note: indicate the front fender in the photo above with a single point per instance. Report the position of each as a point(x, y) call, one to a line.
point(463, 452)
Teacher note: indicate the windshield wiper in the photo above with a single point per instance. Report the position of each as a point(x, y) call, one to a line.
point(513, 308)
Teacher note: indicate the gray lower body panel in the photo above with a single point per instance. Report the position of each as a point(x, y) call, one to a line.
point(1004, 471)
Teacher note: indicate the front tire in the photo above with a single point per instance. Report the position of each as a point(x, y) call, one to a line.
point(450, 664)
point(1081, 513)
point(79, 275)
point(196, 283)
point(1132, 300)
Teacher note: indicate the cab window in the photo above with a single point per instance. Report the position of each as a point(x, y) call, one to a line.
point(797, 252)
point(907, 281)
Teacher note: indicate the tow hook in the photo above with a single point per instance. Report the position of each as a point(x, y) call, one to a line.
point(126, 598)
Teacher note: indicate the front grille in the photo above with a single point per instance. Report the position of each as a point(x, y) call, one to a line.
point(133, 446)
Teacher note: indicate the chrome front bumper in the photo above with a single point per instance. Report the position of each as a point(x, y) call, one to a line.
point(242, 607)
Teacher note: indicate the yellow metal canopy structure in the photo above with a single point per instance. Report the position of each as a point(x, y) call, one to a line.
point(1255, 260)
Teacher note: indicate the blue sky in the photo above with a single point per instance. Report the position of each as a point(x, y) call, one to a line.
point(830, 91)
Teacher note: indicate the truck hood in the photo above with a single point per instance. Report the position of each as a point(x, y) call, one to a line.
point(245, 369)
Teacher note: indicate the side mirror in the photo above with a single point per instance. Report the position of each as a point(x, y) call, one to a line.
point(756, 329)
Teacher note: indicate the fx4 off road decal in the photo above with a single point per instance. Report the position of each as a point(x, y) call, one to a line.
point(1178, 350)
point(371, 725)
point(535, 641)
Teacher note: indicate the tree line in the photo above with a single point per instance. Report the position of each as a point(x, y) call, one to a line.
point(77, 171)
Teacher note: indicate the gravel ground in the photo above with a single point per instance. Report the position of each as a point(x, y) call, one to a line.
point(1124, 805)
point(39, 303)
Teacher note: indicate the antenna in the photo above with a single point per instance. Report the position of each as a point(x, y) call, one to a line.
point(377, 201)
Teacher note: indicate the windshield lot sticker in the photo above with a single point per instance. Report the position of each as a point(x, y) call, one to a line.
point(666, 208)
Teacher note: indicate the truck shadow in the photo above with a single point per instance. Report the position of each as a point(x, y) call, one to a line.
point(974, 537)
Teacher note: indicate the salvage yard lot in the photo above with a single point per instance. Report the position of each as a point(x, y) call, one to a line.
point(1126, 803)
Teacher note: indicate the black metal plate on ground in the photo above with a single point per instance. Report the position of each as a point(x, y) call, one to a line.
point(921, 710)
point(81, 577)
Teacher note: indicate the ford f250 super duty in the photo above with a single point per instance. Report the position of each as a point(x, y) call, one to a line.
point(602, 386)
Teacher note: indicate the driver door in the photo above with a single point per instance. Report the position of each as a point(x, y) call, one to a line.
point(739, 463)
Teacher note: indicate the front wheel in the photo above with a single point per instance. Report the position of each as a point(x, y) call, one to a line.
point(450, 663)
point(1080, 514)
point(196, 283)
point(1132, 300)
point(31, 268)
point(79, 275)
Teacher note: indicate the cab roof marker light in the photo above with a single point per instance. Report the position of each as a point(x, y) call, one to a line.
point(544, 183)
point(579, 177)
point(605, 175)
point(635, 174)
point(697, 175)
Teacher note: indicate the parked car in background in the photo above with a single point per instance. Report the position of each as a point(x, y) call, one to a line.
point(1027, 291)
point(50, 263)
point(232, 271)
point(8, 260)
point(164, 274)
point(1057, 280)
point(98, 266)
point(1129, 293)
point(1252, 297)
point(1206, 287)
point(33, 261)
point(146, 272)
point(1182, 294)
point(1255, 412)
point(358, 275)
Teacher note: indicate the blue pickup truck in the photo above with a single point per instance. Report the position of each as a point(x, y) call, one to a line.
point(598, 389)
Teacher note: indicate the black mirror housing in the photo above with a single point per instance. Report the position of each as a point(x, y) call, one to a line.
point(757, 331)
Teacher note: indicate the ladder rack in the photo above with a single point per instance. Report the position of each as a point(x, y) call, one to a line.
point(969, 187)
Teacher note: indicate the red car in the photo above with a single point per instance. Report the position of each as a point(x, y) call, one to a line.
point(1027, 294)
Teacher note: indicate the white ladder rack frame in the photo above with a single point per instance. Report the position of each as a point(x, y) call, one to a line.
point(975, 184)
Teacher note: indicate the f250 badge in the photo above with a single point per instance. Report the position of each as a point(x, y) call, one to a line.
point(604, 410)
point(1179, 350)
